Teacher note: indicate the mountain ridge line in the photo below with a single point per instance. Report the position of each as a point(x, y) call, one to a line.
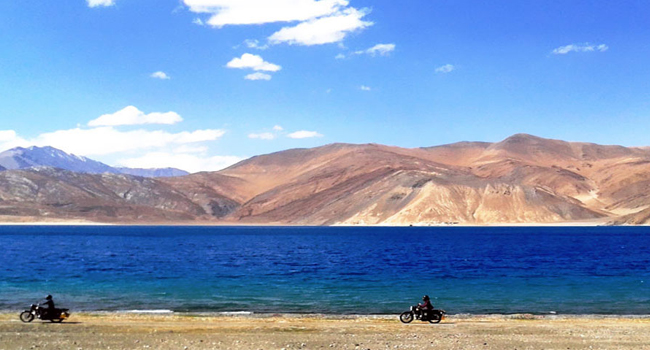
point(523, 179)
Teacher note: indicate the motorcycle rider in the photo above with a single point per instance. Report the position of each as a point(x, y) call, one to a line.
point(425, 306)
point(50, 306)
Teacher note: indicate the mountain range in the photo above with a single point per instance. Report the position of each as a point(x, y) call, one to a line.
point(523, 179)
point(25, 158)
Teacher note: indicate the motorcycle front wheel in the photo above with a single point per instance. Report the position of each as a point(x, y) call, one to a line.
point(435, 318)
point(406, 317)
point(26, 316)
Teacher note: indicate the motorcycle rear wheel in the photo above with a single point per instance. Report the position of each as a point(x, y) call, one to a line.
point(406, 317)
point(435, 318)
point(56, 320)
point(26, 316)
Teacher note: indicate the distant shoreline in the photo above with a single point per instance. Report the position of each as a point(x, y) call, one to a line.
point(334, 316)
point(235, 224)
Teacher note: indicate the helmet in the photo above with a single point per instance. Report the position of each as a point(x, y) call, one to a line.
point(425, 298)
point(48, 297)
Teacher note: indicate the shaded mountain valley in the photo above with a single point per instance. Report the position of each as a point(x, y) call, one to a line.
point(521, 180)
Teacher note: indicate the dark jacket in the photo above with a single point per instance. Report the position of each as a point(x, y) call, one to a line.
point(49, 304)
point(426, 305)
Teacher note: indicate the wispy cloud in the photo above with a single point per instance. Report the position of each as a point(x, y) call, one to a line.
point(586, 47)
point(365, 88)
point(278, 128)
point(379, 49)
point(255, 44)
point(324, 30)
point(243, 12)
point(319, 21)
point(262, 136)
point(447, 68)
point(130, 115)
point(160, 75)
point(186, 161)
point(258, 76)
point(100, 3)
point(198, 22)
point(254, 62)
point(304, 134)
point(109, 140)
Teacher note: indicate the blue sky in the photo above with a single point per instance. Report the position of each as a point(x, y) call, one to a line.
point(200, 84)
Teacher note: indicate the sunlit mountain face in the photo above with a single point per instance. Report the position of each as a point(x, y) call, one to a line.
point(523, 179)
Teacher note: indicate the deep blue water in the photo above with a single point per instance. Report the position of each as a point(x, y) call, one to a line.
point(596, 270)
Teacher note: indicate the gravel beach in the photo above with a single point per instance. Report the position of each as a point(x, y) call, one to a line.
point(188, 331)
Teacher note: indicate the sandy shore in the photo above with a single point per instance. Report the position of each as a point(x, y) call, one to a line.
point(136, 331)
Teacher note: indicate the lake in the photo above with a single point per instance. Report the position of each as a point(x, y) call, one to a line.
point(339, 270)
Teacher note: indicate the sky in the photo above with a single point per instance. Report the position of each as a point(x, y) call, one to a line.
point(201, 84)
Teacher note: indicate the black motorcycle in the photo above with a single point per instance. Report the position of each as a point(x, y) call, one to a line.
point(416, 313)
point(56, 315)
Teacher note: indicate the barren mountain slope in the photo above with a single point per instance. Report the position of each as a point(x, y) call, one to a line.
point(340, 169)
point(219, 195)
point(55, 193)
point(603, 178)
point(522, 179)
point(375, 184)
point(265, 172)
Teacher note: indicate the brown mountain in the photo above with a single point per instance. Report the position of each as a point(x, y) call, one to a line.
point(522, 179)
point(44, 194)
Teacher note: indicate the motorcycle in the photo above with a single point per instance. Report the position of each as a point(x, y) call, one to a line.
point(36, 311)
point(416, 313)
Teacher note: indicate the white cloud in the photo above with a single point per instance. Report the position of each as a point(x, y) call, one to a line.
point(189, 162)
point(255, 44)
point(198, 22)
point(130, 115)
point(379, 49)
point(160, 75)
point(278, 128)
point(586, 47)
point(254, 62)
point(262, 136)
point(97, 3)
point(190, 149)
point(197, 136)
point(323, 30)
point(315, 22)
point(10, 139)
point(244, 12)
point(339, 56)
point(7, 135)
point(303, 134)
point(447, 68)
point(258, 76)
point(182, 150)
point(365, 88)
point(108, 140)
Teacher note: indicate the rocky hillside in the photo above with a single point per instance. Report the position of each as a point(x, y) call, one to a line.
point(50, 193)
point(522, 179)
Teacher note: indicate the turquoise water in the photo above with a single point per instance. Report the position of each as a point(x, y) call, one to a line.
point(597, 270)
